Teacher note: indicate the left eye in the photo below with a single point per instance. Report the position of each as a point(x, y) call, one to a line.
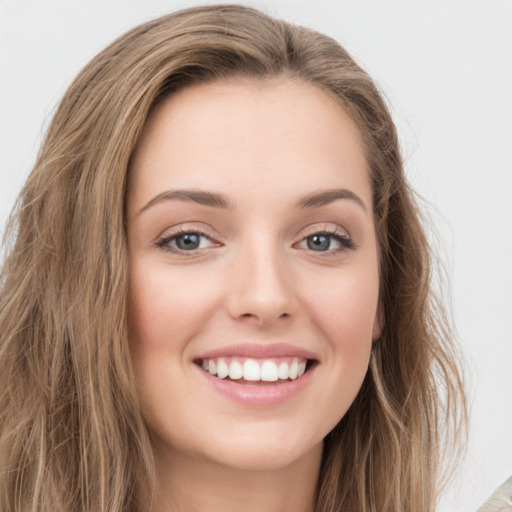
point(322, 242)
point(185, 242)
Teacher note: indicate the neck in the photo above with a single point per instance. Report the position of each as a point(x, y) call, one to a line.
point(199, 485)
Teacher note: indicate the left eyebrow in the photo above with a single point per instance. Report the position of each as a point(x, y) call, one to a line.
point(324, 197)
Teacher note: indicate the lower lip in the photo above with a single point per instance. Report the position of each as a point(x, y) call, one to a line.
point(258, 394)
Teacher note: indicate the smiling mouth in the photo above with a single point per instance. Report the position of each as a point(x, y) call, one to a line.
point(253, 371)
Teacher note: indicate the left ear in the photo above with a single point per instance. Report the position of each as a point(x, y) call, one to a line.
point(378, 323)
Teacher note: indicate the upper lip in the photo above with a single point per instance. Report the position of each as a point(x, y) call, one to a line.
point(259, 351)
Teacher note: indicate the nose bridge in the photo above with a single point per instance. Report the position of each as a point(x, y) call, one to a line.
point(261, 285)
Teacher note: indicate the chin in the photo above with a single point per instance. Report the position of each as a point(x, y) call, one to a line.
point(257, 456)
point(262, 446)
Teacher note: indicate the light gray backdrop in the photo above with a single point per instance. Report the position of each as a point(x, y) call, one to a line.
point(446, 68)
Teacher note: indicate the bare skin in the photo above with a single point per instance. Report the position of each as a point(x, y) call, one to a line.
point(291, 488)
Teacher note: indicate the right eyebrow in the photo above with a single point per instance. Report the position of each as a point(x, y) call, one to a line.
point(202, 197)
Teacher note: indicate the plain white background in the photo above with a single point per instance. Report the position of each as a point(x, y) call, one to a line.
point(446, 69)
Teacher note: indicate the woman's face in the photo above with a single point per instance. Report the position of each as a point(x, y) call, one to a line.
point(253, 271)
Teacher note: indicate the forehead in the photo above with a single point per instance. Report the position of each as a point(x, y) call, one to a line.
point(239, 134)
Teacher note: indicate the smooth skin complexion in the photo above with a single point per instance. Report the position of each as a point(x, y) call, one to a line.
point(251, 236)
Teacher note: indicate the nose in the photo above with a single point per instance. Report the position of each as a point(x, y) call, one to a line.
point(261, 289)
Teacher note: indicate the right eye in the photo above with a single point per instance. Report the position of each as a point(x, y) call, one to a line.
point(185, 242)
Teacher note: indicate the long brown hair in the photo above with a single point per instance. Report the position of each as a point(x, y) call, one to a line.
point(71, 433)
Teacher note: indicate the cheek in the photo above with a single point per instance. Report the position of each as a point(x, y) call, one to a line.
point(166, 310)
point(165, 305)
point(343, 311)
point(345, 306)
point(344, 316)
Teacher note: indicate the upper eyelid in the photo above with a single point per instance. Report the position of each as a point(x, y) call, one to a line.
point(319, 228)
point(305, 232)
point(164, 243)
point(334, 234)
point(184, 229)
point(333, 230)
point(168, 239)
point(181, 233)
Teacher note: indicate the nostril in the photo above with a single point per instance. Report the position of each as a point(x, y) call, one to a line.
point(261, 318)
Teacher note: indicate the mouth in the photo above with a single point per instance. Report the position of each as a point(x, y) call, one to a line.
point(258, 375)
point(260, 371)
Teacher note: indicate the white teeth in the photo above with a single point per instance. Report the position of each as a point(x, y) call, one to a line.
point(294, 370)
point(283, 371)
point(222, 369)
point(235, 370)
point(252, 370)
point(269, 371)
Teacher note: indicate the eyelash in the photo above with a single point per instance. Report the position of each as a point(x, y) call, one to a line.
point(345, 241)
point(347, 244)
point(164, 242)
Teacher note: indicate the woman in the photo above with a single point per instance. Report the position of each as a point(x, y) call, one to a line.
point(218, 297)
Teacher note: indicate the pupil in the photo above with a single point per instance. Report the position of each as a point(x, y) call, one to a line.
point(188, 242)
point(318, 242)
